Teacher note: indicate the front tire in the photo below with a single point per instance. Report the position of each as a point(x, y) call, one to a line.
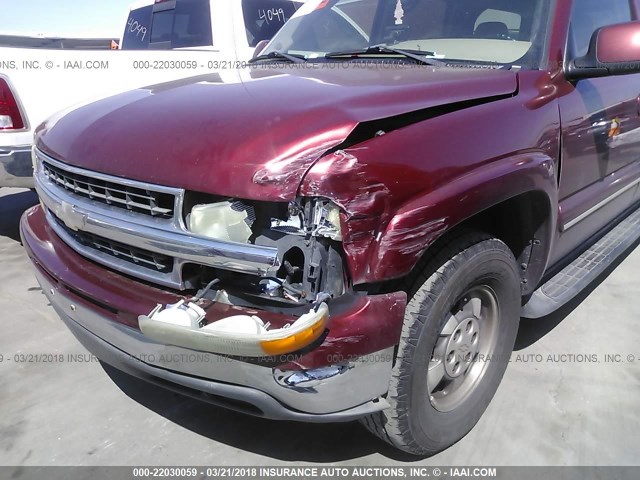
point(459, 330)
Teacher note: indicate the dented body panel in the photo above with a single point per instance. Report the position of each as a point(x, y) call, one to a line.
point(262, 128)
point(403, 190)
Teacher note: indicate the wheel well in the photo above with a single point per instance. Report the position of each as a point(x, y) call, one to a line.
point(522, 223)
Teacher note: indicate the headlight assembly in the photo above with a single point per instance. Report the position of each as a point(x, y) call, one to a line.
point(317, 217)
point(304, 232)
point(224, 221)
point(326, 220)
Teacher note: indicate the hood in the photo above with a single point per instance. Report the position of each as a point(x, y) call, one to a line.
point(252, 133)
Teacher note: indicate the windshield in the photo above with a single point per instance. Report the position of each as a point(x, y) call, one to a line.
point(485, 31)
point(263, 18)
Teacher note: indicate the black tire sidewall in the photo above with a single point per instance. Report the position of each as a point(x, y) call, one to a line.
point(496, 268)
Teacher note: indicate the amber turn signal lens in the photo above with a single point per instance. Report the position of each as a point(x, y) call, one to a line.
point(294, 342)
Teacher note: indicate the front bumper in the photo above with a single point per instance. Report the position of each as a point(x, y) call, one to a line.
point(16, 168)
point(344, 378)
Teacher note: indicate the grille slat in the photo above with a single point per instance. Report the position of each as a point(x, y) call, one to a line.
point(137, 256)
point(139, 200)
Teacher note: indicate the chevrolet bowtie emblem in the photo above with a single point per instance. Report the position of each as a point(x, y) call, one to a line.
point(71, 217)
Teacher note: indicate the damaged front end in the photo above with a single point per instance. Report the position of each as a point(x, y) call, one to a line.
point(306, 234)
point(277, 266)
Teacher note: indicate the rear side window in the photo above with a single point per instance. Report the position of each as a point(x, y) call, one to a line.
point(180, 24)
point(138, 29)
point(162, 27)
point(263, 18)
point(589, 15)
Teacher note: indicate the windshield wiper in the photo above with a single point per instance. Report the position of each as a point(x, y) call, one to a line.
point(423, 57)
point(274, 55)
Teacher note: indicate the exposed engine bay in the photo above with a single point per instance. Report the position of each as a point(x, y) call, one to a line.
point(306, 232)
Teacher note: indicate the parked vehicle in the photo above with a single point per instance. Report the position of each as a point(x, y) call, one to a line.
point(187, 24)
point(352, 227)
point(211, 36)
point(15, 151)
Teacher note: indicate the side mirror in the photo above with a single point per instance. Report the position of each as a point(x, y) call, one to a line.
point(614, 50)
point(260, 47)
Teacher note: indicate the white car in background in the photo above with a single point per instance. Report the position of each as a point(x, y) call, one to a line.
point(162, 40)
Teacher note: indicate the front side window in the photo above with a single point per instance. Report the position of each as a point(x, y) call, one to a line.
point(500, 31)
point(263, 18)
point(589, 15)
point(181, 24)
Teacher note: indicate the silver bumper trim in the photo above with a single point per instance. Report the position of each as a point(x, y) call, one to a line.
point(359, 383)
point(16, 169)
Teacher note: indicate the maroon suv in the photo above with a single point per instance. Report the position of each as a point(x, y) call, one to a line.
point(352, 226)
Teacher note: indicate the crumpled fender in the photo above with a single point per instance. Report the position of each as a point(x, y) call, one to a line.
point(387, 226)
point(406, 186)
point(424, 219)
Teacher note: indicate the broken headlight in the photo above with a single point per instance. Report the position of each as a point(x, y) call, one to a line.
point(227, 221)
point(317, 217)
point(235, 220)
point(306, 233)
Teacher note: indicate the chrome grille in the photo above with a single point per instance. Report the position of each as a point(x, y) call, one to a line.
point(155, 204)
point(142, 258)
point(117, 223)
